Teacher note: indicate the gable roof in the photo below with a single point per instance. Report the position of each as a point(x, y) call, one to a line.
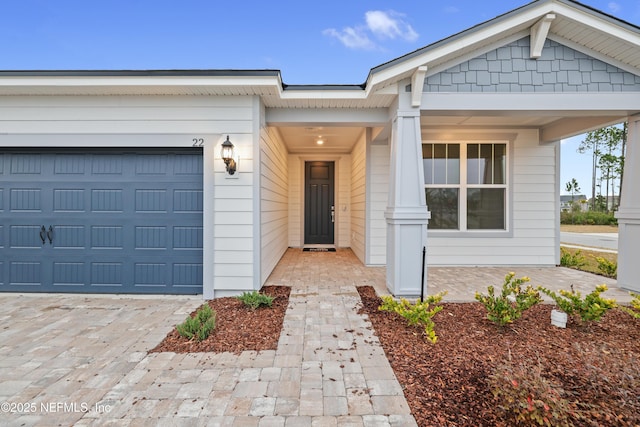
point(571, 23)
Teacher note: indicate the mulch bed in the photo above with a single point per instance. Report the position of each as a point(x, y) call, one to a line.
point(596, 368)
point(238, 328)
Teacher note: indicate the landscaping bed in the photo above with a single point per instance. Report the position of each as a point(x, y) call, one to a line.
point(238, 327)
point(589, 373)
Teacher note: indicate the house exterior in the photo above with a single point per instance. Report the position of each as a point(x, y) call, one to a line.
point(567, 202)
point(113, 181)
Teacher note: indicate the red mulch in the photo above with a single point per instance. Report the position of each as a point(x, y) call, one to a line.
point(446, 384)
point(238, 328)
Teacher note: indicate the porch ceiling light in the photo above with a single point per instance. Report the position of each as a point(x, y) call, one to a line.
point(227, 154)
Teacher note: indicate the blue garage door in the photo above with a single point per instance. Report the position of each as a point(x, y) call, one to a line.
point(101, 221)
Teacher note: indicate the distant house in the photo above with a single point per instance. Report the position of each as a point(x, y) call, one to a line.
point(113, 181)
point(567, 201)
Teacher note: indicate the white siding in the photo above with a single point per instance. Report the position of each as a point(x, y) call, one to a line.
point(274, 195)
point(378, 192)
point(358, 198)
point(296, 184)
point(342, 197)
point(532, 238)
point(343, 202)
point(121, 114)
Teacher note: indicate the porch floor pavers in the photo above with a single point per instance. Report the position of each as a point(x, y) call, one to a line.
point(81, 360)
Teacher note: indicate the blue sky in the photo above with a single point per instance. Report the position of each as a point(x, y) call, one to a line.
point(311, 42)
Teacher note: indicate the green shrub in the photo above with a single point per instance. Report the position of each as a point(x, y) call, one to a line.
point(588, 218)
point(589, 309)
point(512, 301)
point(606, 267)
point(419, 313)
point(255, 299)
point(567, 259)
point(200, 326)
point(525, 394)
point(634, 310)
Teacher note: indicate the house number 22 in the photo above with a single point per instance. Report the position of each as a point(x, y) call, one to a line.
point(198, 142)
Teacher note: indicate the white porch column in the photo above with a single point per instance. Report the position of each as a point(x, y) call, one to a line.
point(406, 212)
point(629, 212)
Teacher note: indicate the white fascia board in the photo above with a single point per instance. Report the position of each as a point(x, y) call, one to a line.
point(138, 82)
point(551, 103)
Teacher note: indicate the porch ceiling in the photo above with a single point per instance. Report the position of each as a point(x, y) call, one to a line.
point(553, 125)
point(336, 140)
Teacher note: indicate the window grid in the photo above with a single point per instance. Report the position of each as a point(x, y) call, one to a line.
point(463, 184)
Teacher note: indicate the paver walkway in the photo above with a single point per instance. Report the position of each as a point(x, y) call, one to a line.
point(84, 357)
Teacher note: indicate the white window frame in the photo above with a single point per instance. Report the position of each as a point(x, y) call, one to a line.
point(463, 186)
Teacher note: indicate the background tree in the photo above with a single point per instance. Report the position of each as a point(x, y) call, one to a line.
point(605, 143)
point(572, 188)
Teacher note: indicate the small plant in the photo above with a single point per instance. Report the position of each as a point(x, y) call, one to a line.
point(199, 326)
point(419, 313)
point(523, 392)
point(606, 267)
point(567, 259)
point(591, 308)
point(512, 301)
point(634, 310)
point(255, 299)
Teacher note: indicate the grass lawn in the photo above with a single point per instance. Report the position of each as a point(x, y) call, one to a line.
point(589, 228)
point(591, 265)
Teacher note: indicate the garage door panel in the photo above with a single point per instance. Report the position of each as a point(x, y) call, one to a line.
point(114, 222)
point(69, 274)
point(67, 236)
point(26, 237)
point(151, 237)
point(151, 200)
point(107, 200)
point(187, 275)
point(26, 164)
point(69, 200)
point(106, 237)
point(26, 200)
point(26, 273)
point(188, 164)
point(151, 164)
point(107, 274)
point(187, 200)
point(69, 164)
point(147, 274)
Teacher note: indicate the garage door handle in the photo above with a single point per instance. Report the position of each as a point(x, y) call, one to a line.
point(43, 233)
point(50, 234)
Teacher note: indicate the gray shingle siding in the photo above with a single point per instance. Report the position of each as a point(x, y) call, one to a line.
point(510, 69)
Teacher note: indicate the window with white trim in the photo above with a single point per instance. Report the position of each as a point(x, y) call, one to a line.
point(466, 185)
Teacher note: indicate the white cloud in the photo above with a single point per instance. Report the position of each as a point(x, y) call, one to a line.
point(382, 25)
point(614, 7)
point(353, 38)
point(389, 25)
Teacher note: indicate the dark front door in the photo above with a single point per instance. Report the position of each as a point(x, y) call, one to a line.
point(319, 214)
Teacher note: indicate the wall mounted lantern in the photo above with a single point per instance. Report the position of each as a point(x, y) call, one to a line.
point(227, 154)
